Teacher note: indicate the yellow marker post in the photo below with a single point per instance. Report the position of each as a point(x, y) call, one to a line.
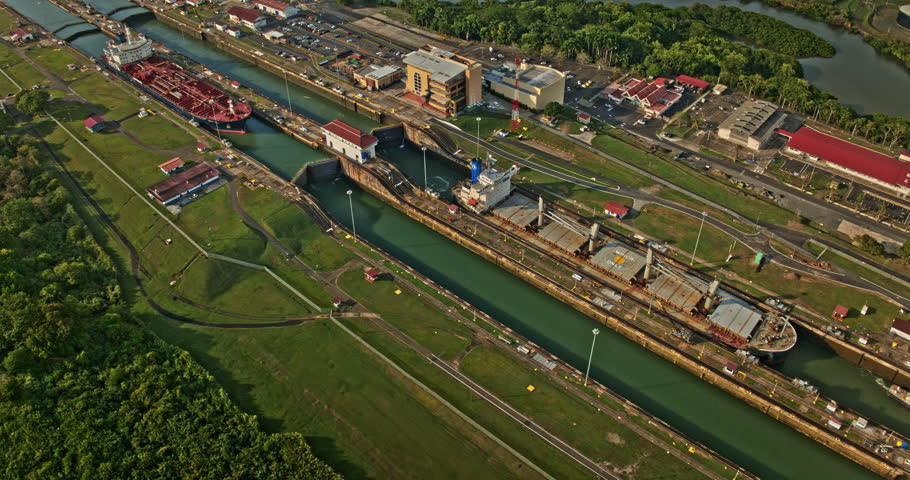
point(531, 388)
point(398, 292)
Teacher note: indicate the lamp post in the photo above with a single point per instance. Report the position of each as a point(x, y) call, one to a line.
point(596, 332)
point(703, 215)
point(426, 186)
point(351, 203)
point(477, 154)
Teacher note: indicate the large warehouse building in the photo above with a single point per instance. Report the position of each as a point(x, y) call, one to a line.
point(752, 124)
point(851, 159)
point(444, 81)
point(537, 85)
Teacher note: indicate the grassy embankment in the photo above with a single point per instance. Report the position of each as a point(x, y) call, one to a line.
point(357, 420)
point(593, 432)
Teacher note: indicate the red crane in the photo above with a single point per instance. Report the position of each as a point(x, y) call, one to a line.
point(516, 120)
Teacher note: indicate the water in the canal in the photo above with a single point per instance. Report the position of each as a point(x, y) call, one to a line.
point(750, 439)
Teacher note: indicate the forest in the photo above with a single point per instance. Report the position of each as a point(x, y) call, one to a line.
point(714, 43)
point(86, 391)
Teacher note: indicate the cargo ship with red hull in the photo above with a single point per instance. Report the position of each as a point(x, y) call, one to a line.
point(182, 91)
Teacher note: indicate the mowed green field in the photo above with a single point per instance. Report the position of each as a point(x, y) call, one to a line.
point(363, 418)
point(562, 413)
point(289, 224)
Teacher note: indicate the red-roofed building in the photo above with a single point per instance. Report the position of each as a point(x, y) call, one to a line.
point(21, 35)
point(901, 328)
point(201, 147)
point(276, 7)
point(94, 123)
point(183, 183)
point(840, 312)
point(653, 97)
point(371, 275)
point(616, 209)
point(692, 83)
point(172, 165)
point(248, 17)
point(352, 142)
point(850, 158)
point(583, 118)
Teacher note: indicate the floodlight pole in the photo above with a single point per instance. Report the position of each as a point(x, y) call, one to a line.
point(703, 215)
point(596, 332)
point(351, 203)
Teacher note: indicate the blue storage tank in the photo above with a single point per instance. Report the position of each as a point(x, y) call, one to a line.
point(476, 168)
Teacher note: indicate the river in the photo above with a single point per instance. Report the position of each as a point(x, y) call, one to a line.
point(857, 74)
point(701, 411)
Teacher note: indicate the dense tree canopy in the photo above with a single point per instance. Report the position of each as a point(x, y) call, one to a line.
point(85, 390)
point(702, 41)
point(32, 101)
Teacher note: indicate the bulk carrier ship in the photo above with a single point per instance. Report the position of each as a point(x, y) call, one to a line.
point(199, 101)
point(693, 303)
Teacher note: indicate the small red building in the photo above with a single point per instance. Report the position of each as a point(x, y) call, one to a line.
point(840, 312)
point(453, 208)
point(616, 209)
point(200, 147)
point(21, 35)
point(94, 123)
point(372, 275)
point(336, 302)
point(583, 118)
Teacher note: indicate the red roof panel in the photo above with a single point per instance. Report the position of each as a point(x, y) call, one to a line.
point(850, 156)
point(901, 325)
point(276, 4)
point(92, 121)
point(247, 14)
point(172, 164)
point(692, 81)
point(352, 134)
point(183, 182)
point(616, 208)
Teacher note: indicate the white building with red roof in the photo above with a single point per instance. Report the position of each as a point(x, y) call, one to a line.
point(276, 7)
point(654, 97)
point(248, 17)
point(616, 209)
point(352, 142)
point(21, 35)
point(859, 162)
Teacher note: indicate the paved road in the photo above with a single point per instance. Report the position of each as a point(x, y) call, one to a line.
point(758, 241)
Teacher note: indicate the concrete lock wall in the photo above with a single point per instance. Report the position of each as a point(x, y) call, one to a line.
point(369, 182)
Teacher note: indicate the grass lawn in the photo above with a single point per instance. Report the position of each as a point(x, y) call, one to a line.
point(817, 295)
point(409, 313)
point(360, 416)
point(693, 181)
point(682, 232)
point(593, 432)
point(229, 287)
point(289, 224)
point(531, 446)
